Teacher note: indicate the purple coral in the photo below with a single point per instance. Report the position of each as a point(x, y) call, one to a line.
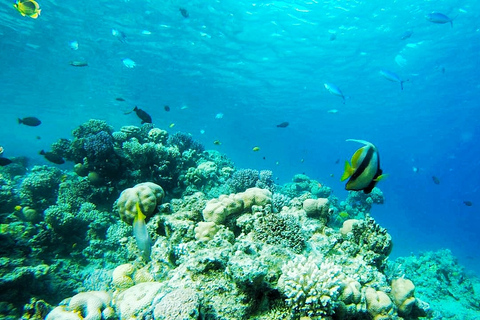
point(265, 180)
point(185, 141)
point(243, 179)
point(98, 146)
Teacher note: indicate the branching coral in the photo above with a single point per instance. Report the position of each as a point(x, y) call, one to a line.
point(310, 289)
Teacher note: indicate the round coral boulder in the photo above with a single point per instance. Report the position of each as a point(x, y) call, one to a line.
point(147, 194)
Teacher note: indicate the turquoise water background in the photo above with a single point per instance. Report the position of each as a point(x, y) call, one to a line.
point(262, 63)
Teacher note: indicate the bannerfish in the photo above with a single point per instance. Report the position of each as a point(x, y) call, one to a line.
point(30, 121)
point(392, 76)
point(468, 203)
point(29, 8)
point(166, 108)
point(282, 125)
point(79, 63)
point(5, 161)
point(333, 89)
point(52, 157)
point(435, 180)
point(184, 12)
point(364, 171)
point(406, 35)
point(440, 18)
point(140, 232)
point(145, 117)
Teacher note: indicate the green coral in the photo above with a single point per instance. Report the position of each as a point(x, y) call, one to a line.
point(40, 187)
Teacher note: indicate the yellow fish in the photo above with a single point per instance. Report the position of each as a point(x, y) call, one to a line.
point(140, 232)
point(28, 8)
point(172, 125)
point(256, 149)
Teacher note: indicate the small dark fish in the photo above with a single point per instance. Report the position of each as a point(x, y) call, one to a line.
point(5, 161)
point(38, 137)
point(167, 108)
point(184, 12)
point(435, 180)
point(283, 125)
point(468, 203)
point(406, 35)
point(263, 158)
point(337, 161)
point(333, 36)
point(79, 63)
point(52, 157)
point(30, 121)
point(119, 99)
point(145, 117)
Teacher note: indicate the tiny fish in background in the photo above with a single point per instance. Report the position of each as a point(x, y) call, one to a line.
point(184, 12)
point(468, 203)
point(333, 89)
point(391, 76)
point(119, 35)
point(256, 149)
point(440, 18)
point(30, 121)
point(119, 99)
point(435, 180)
point(217, 142)
point(166, 108)
point(52, 157)
point(282, 125)
point(73, 45)
point(129, 63)
point(406, 35)
point(79, 63)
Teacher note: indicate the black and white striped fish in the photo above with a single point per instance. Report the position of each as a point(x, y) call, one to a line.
point(364, 170)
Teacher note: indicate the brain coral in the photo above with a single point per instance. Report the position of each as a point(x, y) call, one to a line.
point(311, 290)
point(147, 194)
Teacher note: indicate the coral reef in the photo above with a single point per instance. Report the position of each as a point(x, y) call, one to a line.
point(226, 243)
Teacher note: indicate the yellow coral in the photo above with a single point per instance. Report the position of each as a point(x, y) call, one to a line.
point(379, 304)
point(402, 293)
point(121, 277)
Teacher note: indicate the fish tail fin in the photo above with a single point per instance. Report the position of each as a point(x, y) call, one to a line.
point(42, 152)
point(381, 177)
point(348, 171)
point(135, 109)
point(20, 121)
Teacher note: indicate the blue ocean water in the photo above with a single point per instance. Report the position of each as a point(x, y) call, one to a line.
point(260, 64)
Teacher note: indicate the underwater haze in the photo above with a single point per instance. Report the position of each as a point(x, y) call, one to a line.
point(232, 71)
